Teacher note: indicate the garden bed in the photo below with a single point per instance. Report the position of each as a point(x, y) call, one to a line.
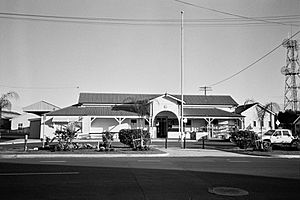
point(115, 150)
point(250, 151)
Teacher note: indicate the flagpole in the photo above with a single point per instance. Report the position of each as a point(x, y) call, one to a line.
point(181, 77)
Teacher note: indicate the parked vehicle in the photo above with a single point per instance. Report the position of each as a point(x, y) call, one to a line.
point(260, 134)
point(280, 137)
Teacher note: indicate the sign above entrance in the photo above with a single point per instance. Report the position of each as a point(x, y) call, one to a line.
point(185, 120)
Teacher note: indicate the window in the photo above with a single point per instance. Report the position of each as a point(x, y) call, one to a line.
point(270, 124)
point(286, 133)
point(20, 126)
point(277, 133)
point(254, 123)
point(133, 121)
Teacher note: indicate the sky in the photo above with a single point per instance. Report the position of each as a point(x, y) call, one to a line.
point(134, 46)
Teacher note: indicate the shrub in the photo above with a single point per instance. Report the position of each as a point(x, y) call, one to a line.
point(107, 139)
point(65, 137)
point(244, 138)
point(132, 138)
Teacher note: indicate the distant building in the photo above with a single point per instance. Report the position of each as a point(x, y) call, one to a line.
point(30, 119)
point(212, 115)
point(6, 116)
point(252, 120)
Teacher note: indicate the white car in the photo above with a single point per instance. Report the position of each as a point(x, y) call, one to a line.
point(282, 137)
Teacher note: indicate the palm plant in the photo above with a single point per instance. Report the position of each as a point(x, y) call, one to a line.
point(65, 136)
point(261, 114)
point(263, 109)
point(140, 107)
point(5, 101)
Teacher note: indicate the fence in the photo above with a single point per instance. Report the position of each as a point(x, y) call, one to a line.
point(14, 134)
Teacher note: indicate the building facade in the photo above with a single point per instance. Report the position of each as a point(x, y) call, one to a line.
point(30, 119)
point(203, 115)
point(257, 117)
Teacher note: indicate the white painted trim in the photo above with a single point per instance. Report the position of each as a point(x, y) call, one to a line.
point(113, 117)
point(166, 95)
point(208, 106)
point(202, 117)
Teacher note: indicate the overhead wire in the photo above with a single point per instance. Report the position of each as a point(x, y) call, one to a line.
point(243, 17)
point(232, 14)
point(237, 21)
point(39, 88)
point(252, 64)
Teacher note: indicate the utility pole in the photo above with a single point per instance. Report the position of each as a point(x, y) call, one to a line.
point(205, 89)
point(181, 78)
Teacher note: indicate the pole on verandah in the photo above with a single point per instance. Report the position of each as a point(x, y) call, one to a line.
point(181, 78)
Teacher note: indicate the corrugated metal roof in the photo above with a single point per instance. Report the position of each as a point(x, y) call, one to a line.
point(242, 108)
point(89, 111)
point(107, 111)
point(117, 98)
point(208, 112)
point(41, 106)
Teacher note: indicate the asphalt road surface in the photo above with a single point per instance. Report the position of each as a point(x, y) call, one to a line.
point(149, 178)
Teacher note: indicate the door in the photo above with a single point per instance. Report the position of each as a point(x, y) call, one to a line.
point(276, 137)
point(286, 137)
point(162, 127)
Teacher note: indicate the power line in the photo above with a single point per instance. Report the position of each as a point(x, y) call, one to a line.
point(243, 17)
point(252, 64)
point(232, 14)
point(129, 21)
point(39, 88)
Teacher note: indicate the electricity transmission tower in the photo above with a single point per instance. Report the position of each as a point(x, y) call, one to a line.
point(292, 75)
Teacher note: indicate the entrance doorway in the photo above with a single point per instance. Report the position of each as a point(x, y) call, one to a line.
point(162, 127)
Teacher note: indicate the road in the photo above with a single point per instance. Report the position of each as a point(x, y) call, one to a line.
point(148, 178)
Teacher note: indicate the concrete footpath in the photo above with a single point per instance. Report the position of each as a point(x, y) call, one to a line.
point(169, 152)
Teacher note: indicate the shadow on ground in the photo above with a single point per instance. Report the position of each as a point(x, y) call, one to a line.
point(44, 181)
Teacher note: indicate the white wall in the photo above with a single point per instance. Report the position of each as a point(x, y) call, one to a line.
point(24, 119)
point(164, 104)
point(100, 125)
point(251, 116)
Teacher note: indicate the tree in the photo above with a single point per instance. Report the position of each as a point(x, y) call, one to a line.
point(263, 109)
point(287, 119)
point(140, 107)
point(5, 101)
point(261, 113)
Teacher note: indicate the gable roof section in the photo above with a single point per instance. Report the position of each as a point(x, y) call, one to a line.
point(208, 112)
point(112, 98)
point(89, 111)
point(41, 106)
point(117, 98)
point(243, 108)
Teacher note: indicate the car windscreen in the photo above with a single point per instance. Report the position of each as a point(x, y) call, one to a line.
point(269, 133)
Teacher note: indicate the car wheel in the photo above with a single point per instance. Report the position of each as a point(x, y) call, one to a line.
point(266, 145)
point(296, 144)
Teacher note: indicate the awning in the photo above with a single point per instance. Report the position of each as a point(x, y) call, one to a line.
point(66, 119)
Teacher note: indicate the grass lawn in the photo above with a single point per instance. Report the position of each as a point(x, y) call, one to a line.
point(117, 149)
point(230, 147)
